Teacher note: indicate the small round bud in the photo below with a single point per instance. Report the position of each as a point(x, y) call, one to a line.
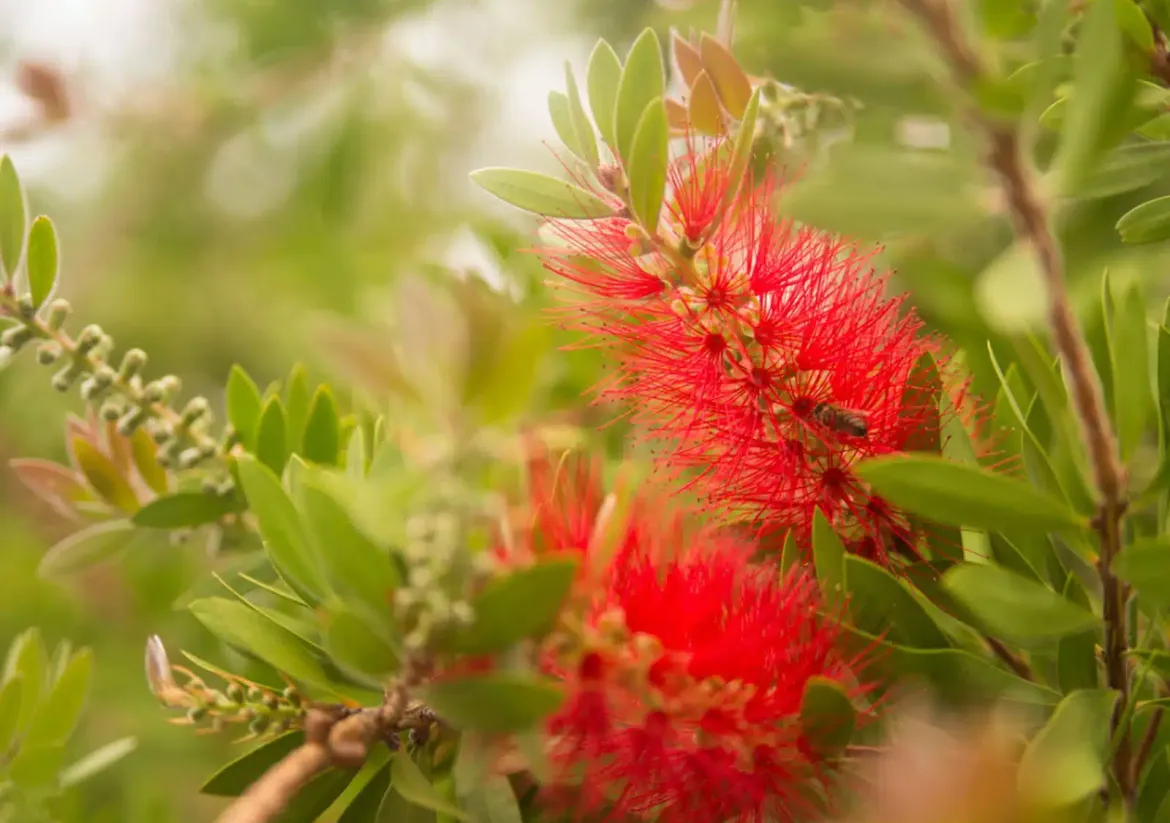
point(292, 696)
point(259, 724)
point(110, 411)
point(153, 392)
point(130, 421)
point(25, 307)
point(235, 692)
point(90, 337)
point(59, 311)
point(63, 380)
point(196, 713)
point(195, 410)
point(226, 488)
point(16, 337)
point(171, 385)
point(271, 702)
point(190, 458)
point(255, 695)
point(132, 364)
point(48, 353)
point(162, 433)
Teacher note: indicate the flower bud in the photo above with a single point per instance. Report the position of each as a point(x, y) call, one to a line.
point(63, 380)
point(259, 724)
point(196, 409)
point(15, 337)
point(25, 307)
point(48, 353)
point(132, 364)
point(90, 337)
point(59, 311)
point(131, 420)
point(110, 411)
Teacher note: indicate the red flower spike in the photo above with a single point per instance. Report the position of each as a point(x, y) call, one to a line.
point(685, 683)
point(768, 358)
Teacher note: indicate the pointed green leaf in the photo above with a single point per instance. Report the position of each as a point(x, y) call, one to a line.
point(41, 262)
point(97, 761)
point(493, 703)
point(1065, 761)
point(515, 606)
point(541, 194)
point(828, 557)
point(1014, 607)
point(1145, 565)
point(827, 717)
point(741, 154)
point(409, 781)
point(59, 714)
point(36, 766)
point(959, 495)
point(323, 430)
point(491, 800)
point(296, 407)
point(731, 81)
point(602, 77)
point(144, 452)
point(234, 778)
point(243, 406)
point(647, 165)
point(1126, 168)
point(28, 659)
point(562, 120)
point(86, 548)
point(272, 437)
point(1146, 223)
point(643, 79)
point(104, 477)
point(879, 602)
point(185, 510)
point(281, 528)
point(358, 569)
point(582, 128)
point(247, 629)
point(1132, 394)
point(12, 218)
point(356, 648)
point(1104, 85)
point(316, 797)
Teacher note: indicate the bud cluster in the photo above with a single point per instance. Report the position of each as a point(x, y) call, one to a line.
point(263, 710)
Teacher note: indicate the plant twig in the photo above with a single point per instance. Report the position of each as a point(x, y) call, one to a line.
point(1006, 157)
point(1147, 744)
point(1015, 663)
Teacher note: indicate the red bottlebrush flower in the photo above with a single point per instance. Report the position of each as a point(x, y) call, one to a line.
point(685, 678)
point(766, 354)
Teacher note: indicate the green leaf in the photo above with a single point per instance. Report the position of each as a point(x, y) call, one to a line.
point(243, 406)
point(409, 781)
point(602, 78)
point(323, 430)
point(1132, 394)
point(582, 128)
point(960, 495)
point(358, 570)
point(730, 80)
point(364, 806)
point(1076, 654)
point(97, 761)
point(1104, 85)
point(59, 714)
point(185, 510)
point(1005, 19)
point(1145, 565)
point(144, 452)
point(741, 153)
point(828, 557)
point(643, 79)
point(827, 717)
point(296, 408)
point(879, 602)
point(541, 194)
point(357, 648)
point(272, 437)
point(493, 703)
point(247, 629)
point(28, 659)
point(282, 530)
point(11, 694)
point(647, 165)
point(12, 218)
point(1065, 761)
point(515, 606)
point(86, 548)
point(316, 797)
point(1014, 607)
point(234, 778)
point(491, 800)
point(36, 766)
point(41, 262)
point(1147, 223)
point(562, 120)
point(1126, 168)
point(509, 381)
point(104, 477)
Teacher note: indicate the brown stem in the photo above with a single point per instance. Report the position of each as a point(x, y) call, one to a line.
point(1006, 157)
point(1147, 745)
point(1016, 664)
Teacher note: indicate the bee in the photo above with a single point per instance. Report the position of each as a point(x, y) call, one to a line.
point(842, 421)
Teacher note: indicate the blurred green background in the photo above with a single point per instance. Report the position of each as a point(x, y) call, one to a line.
point(225, 171)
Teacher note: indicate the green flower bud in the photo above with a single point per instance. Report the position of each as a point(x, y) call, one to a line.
point(235, 692)
point(25, 307)
point(48, 353)
point(15, 337)
point(196, 409)
point(259, 724)
point(59, 311)
point(133, 362)
point(131, 420)
point(90, 337)
point(110, 411)
point(197, 713)
point(190, 458)
point(63, 380)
